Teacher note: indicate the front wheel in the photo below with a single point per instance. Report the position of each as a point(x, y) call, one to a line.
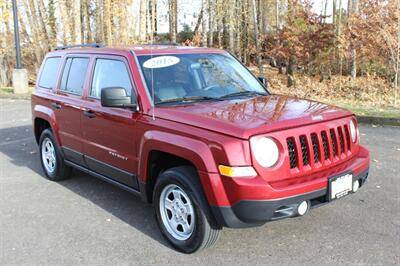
point(179, 215)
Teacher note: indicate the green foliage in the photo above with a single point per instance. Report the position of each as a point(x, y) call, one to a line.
point(185, 34)
point(375, 67)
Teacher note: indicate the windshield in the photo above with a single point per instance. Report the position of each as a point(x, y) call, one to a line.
point(193, 77)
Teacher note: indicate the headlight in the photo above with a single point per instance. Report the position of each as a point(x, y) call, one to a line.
point(353, 131)
point(265, 151)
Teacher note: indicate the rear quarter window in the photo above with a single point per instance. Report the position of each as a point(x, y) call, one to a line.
point(48, 77)
point(74, 75)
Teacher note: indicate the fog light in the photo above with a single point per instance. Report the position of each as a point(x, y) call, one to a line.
point(356, 185)
point(302, 208)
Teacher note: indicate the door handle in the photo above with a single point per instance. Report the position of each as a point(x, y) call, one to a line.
point(89, 113)
point(56, 105)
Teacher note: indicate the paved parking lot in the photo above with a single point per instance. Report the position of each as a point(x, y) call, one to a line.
point(86, 221)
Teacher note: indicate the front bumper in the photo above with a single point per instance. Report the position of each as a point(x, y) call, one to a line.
point(249, 213)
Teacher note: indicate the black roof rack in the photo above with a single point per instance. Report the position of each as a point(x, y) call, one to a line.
point(164, 43)
point(93, 45)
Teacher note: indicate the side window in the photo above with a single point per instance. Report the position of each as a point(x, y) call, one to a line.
point(74, 75)
point(48, 77)
point(110, 73)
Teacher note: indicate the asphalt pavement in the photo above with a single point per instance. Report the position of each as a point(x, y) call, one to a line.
point(86, 221)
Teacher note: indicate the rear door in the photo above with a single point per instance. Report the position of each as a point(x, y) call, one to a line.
point(109, 133)
point(68, 107)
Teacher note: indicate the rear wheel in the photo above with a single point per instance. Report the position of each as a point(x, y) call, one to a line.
point(52, 162)
point(179, 214)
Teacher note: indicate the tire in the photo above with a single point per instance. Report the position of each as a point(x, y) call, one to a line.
point(52, 162)
point(180, 185)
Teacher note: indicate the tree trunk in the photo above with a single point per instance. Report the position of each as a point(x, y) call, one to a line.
point(142, 21)
point(396, 78)
point(123, 23)
point(32, 18)
point(334, 13)
point(231, 29)
point(99, 22)
point(290, 71)
point(277, 23)
point(154, 17)
point(264, 18)
point(107, 22)
point(256, 36)
point(353, 9)
point(325, 10)
point(199, 21)
point(42, 16)
point(51, 10)
point(173, 20)
point(204, 26)
point(211, 16)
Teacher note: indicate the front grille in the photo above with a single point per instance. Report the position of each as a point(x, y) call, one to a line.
point(341, 139)
point(292, 152)
point(334, 142)
point(325, 144)
point(314, 140)
point(347, 133)
point(318, 147)
point(304, 150)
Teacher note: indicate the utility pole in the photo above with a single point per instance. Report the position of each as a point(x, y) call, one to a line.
point(20, 75)
point(16, 35)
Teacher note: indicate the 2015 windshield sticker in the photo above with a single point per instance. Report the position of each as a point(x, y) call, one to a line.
point(161, 61)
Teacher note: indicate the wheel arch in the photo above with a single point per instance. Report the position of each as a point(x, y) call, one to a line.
point(44, 117)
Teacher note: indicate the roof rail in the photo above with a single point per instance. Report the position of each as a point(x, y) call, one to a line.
point(164, 43)
point(93, 45)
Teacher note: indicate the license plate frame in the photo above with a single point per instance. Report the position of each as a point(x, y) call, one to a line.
point(340, 186)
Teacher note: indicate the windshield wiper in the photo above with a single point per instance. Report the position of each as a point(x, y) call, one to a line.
point(189, 99)
point(242, 93)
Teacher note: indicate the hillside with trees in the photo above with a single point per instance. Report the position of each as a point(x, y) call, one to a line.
point(348, 52)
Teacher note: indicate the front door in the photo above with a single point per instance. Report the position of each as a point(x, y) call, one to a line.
point(109, 133)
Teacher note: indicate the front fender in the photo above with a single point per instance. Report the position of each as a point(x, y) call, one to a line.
point(195, 151)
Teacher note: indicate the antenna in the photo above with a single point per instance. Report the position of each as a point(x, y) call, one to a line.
point(152, 71)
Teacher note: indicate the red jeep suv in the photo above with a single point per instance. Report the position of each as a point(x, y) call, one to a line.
point(193, 132)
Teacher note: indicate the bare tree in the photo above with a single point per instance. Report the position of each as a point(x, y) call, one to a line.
point(277, 23)
point(256, 35)
point(231, 29)
point(173, 20)
point(211, 14)
point(142, 21)
point(353, 9)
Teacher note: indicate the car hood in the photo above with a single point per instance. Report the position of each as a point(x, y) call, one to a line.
point(243, 118)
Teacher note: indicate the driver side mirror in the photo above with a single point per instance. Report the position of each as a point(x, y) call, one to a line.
point(264, 81)
point(116, 97)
